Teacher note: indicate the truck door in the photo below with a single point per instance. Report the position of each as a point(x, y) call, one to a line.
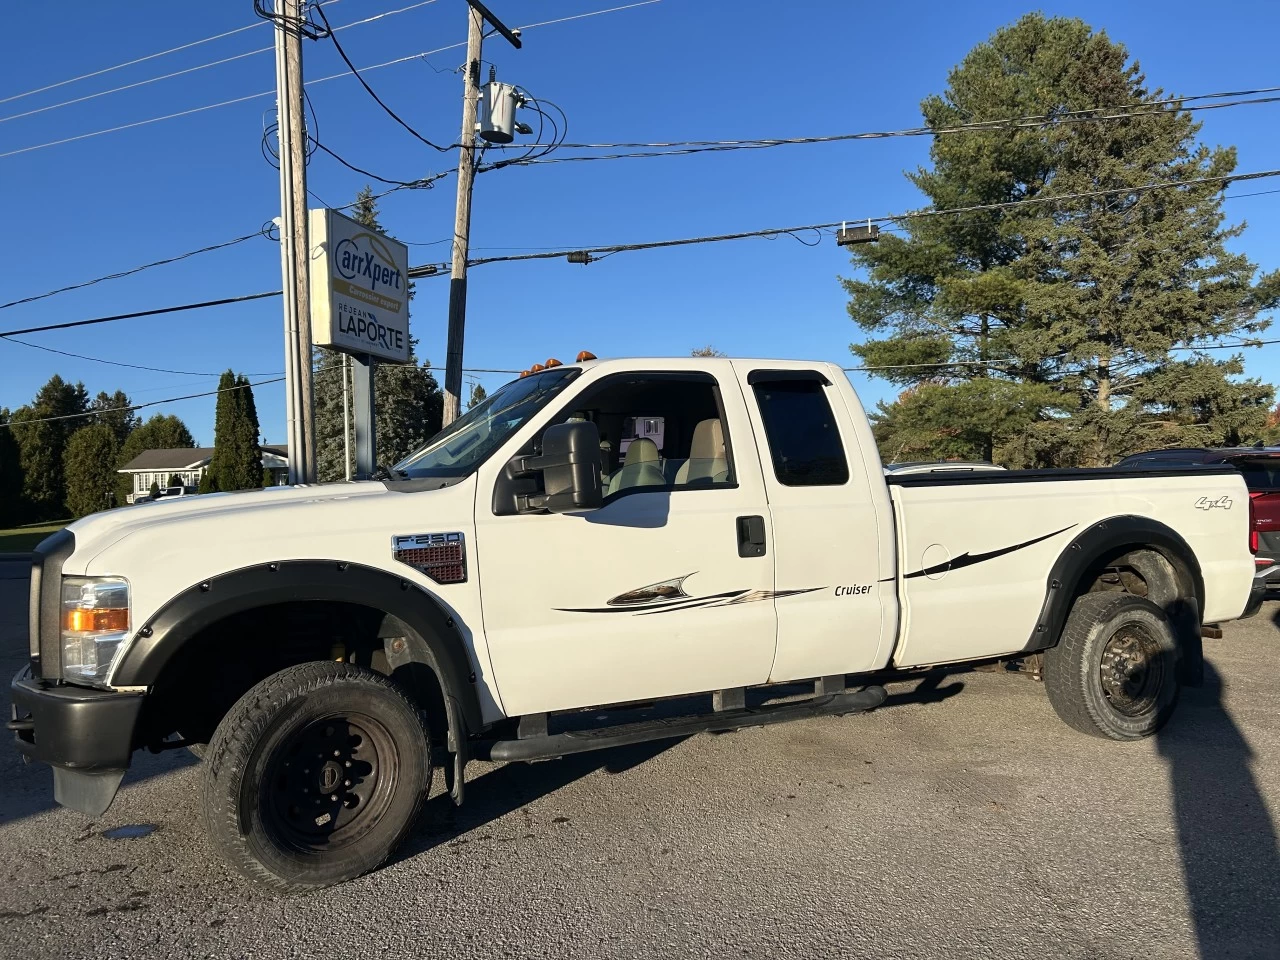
point(667, 588)
point(832, 535)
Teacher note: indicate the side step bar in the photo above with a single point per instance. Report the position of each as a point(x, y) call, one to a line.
point(546, 746)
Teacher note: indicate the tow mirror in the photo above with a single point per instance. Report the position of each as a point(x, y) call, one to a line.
point(570, 468)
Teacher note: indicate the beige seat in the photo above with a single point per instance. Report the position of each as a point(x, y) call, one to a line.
point(707, 461)
point(640, 467)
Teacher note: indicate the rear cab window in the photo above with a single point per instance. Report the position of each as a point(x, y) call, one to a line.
point(800, 428)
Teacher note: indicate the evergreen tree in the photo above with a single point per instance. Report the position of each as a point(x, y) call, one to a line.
point(161, 432)
point(42, 442)
point(478, 395)
point(175, 480)
point(154, 490)
point(89, 465)
point(409, 406)
point(11, 506)
point(1050, 327)
point(237, 457)
point(112, 409)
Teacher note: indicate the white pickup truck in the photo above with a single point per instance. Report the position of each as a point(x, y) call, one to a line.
point(326, 648)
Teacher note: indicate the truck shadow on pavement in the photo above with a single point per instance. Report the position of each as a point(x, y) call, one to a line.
point(507, 788)
point(1226, 837)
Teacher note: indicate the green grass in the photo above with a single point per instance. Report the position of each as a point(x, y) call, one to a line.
point(22, 539)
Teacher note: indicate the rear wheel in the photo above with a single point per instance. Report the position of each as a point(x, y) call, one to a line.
point(315, 776)
point(1113, 673)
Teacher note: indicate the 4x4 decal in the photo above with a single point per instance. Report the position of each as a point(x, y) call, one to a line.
point(1222, 503)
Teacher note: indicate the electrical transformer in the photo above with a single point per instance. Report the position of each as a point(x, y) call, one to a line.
point(498, 106)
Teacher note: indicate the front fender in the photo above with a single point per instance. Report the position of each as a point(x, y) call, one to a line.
point(205, 603)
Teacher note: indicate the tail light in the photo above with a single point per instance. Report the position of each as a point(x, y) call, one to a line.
point(1253, 527)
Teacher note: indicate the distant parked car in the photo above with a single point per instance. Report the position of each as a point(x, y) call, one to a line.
point(939, 466)
point(1260, 467)
point(165, 493)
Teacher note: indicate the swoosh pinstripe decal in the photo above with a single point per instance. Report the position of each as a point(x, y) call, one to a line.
point(969, 559)
point(728, 598)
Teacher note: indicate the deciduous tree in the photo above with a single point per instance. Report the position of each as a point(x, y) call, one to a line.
point(89, 464)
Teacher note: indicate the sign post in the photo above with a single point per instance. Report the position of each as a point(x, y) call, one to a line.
point(360, 306)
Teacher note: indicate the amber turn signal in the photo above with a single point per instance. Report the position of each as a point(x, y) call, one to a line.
point(95, 619)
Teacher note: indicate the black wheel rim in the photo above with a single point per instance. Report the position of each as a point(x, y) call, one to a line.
point(1132, 670)
point(329, 782)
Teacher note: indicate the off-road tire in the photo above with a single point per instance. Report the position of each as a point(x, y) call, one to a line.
point(268, 770)
point(1091, 678)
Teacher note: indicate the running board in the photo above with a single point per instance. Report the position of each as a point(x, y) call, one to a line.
point(581, 741)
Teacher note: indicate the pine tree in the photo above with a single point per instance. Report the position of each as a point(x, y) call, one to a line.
point(161, 432)
point(1050, 327)
point(478, 395)
point(42, 442)
point(237, 457)
point(89, 467)
point(154, 490)
point(409, 405)
point(112, 409)
point(11, 506)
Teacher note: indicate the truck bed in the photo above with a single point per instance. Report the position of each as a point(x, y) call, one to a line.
point(976, 550)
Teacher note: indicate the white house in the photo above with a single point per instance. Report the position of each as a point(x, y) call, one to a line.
point(188, 465)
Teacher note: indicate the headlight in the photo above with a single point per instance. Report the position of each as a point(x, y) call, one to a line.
point(95, 619)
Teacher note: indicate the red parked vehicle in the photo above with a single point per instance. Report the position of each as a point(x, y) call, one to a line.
point(1260, 467)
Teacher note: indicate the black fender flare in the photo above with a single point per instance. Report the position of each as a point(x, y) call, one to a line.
point(1103, 538)
point(433, 627)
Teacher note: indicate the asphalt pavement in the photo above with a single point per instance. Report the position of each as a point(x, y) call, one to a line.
point(957, 821)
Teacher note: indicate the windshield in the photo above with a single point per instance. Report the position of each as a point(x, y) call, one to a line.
point(463, 445)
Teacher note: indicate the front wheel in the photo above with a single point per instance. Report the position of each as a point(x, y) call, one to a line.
point(1113, 673)
point(315, 776)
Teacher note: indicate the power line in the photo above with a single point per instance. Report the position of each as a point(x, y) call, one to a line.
point(119, 363)
point(142, 313)
point(368, 89)
point(892, 218)
point(677, 148)
point(422, 183)
point(141, 406)
point(426, 270)
point(130, 272)
point(271, 93)
point(130, 63)
point(202, 66)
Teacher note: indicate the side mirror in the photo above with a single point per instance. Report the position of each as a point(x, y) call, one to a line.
point(570, 468)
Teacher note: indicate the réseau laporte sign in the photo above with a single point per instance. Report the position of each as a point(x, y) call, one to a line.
point(359, 288)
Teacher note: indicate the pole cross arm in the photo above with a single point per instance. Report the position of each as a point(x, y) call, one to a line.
point(497, 24)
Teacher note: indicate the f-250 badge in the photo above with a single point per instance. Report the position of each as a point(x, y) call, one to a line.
point(1223, 502)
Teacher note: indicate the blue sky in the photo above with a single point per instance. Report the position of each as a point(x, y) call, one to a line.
point(677, 69)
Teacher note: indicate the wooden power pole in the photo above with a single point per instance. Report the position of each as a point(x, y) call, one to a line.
point(462, 218)
point(477, 14)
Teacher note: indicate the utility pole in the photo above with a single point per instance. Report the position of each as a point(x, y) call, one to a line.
point(294, 250)
point(477, 14)
point(462, 218)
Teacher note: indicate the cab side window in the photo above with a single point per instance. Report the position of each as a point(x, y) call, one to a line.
point(659, 431)
point(804, 439)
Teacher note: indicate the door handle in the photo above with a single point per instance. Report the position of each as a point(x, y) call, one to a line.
point(751, 537)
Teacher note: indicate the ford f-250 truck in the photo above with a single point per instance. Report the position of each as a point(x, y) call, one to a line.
point(326, 648)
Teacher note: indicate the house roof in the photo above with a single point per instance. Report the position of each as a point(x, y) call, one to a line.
point(183, 458)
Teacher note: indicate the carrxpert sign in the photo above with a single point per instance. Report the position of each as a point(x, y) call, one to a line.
point(359, 288)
